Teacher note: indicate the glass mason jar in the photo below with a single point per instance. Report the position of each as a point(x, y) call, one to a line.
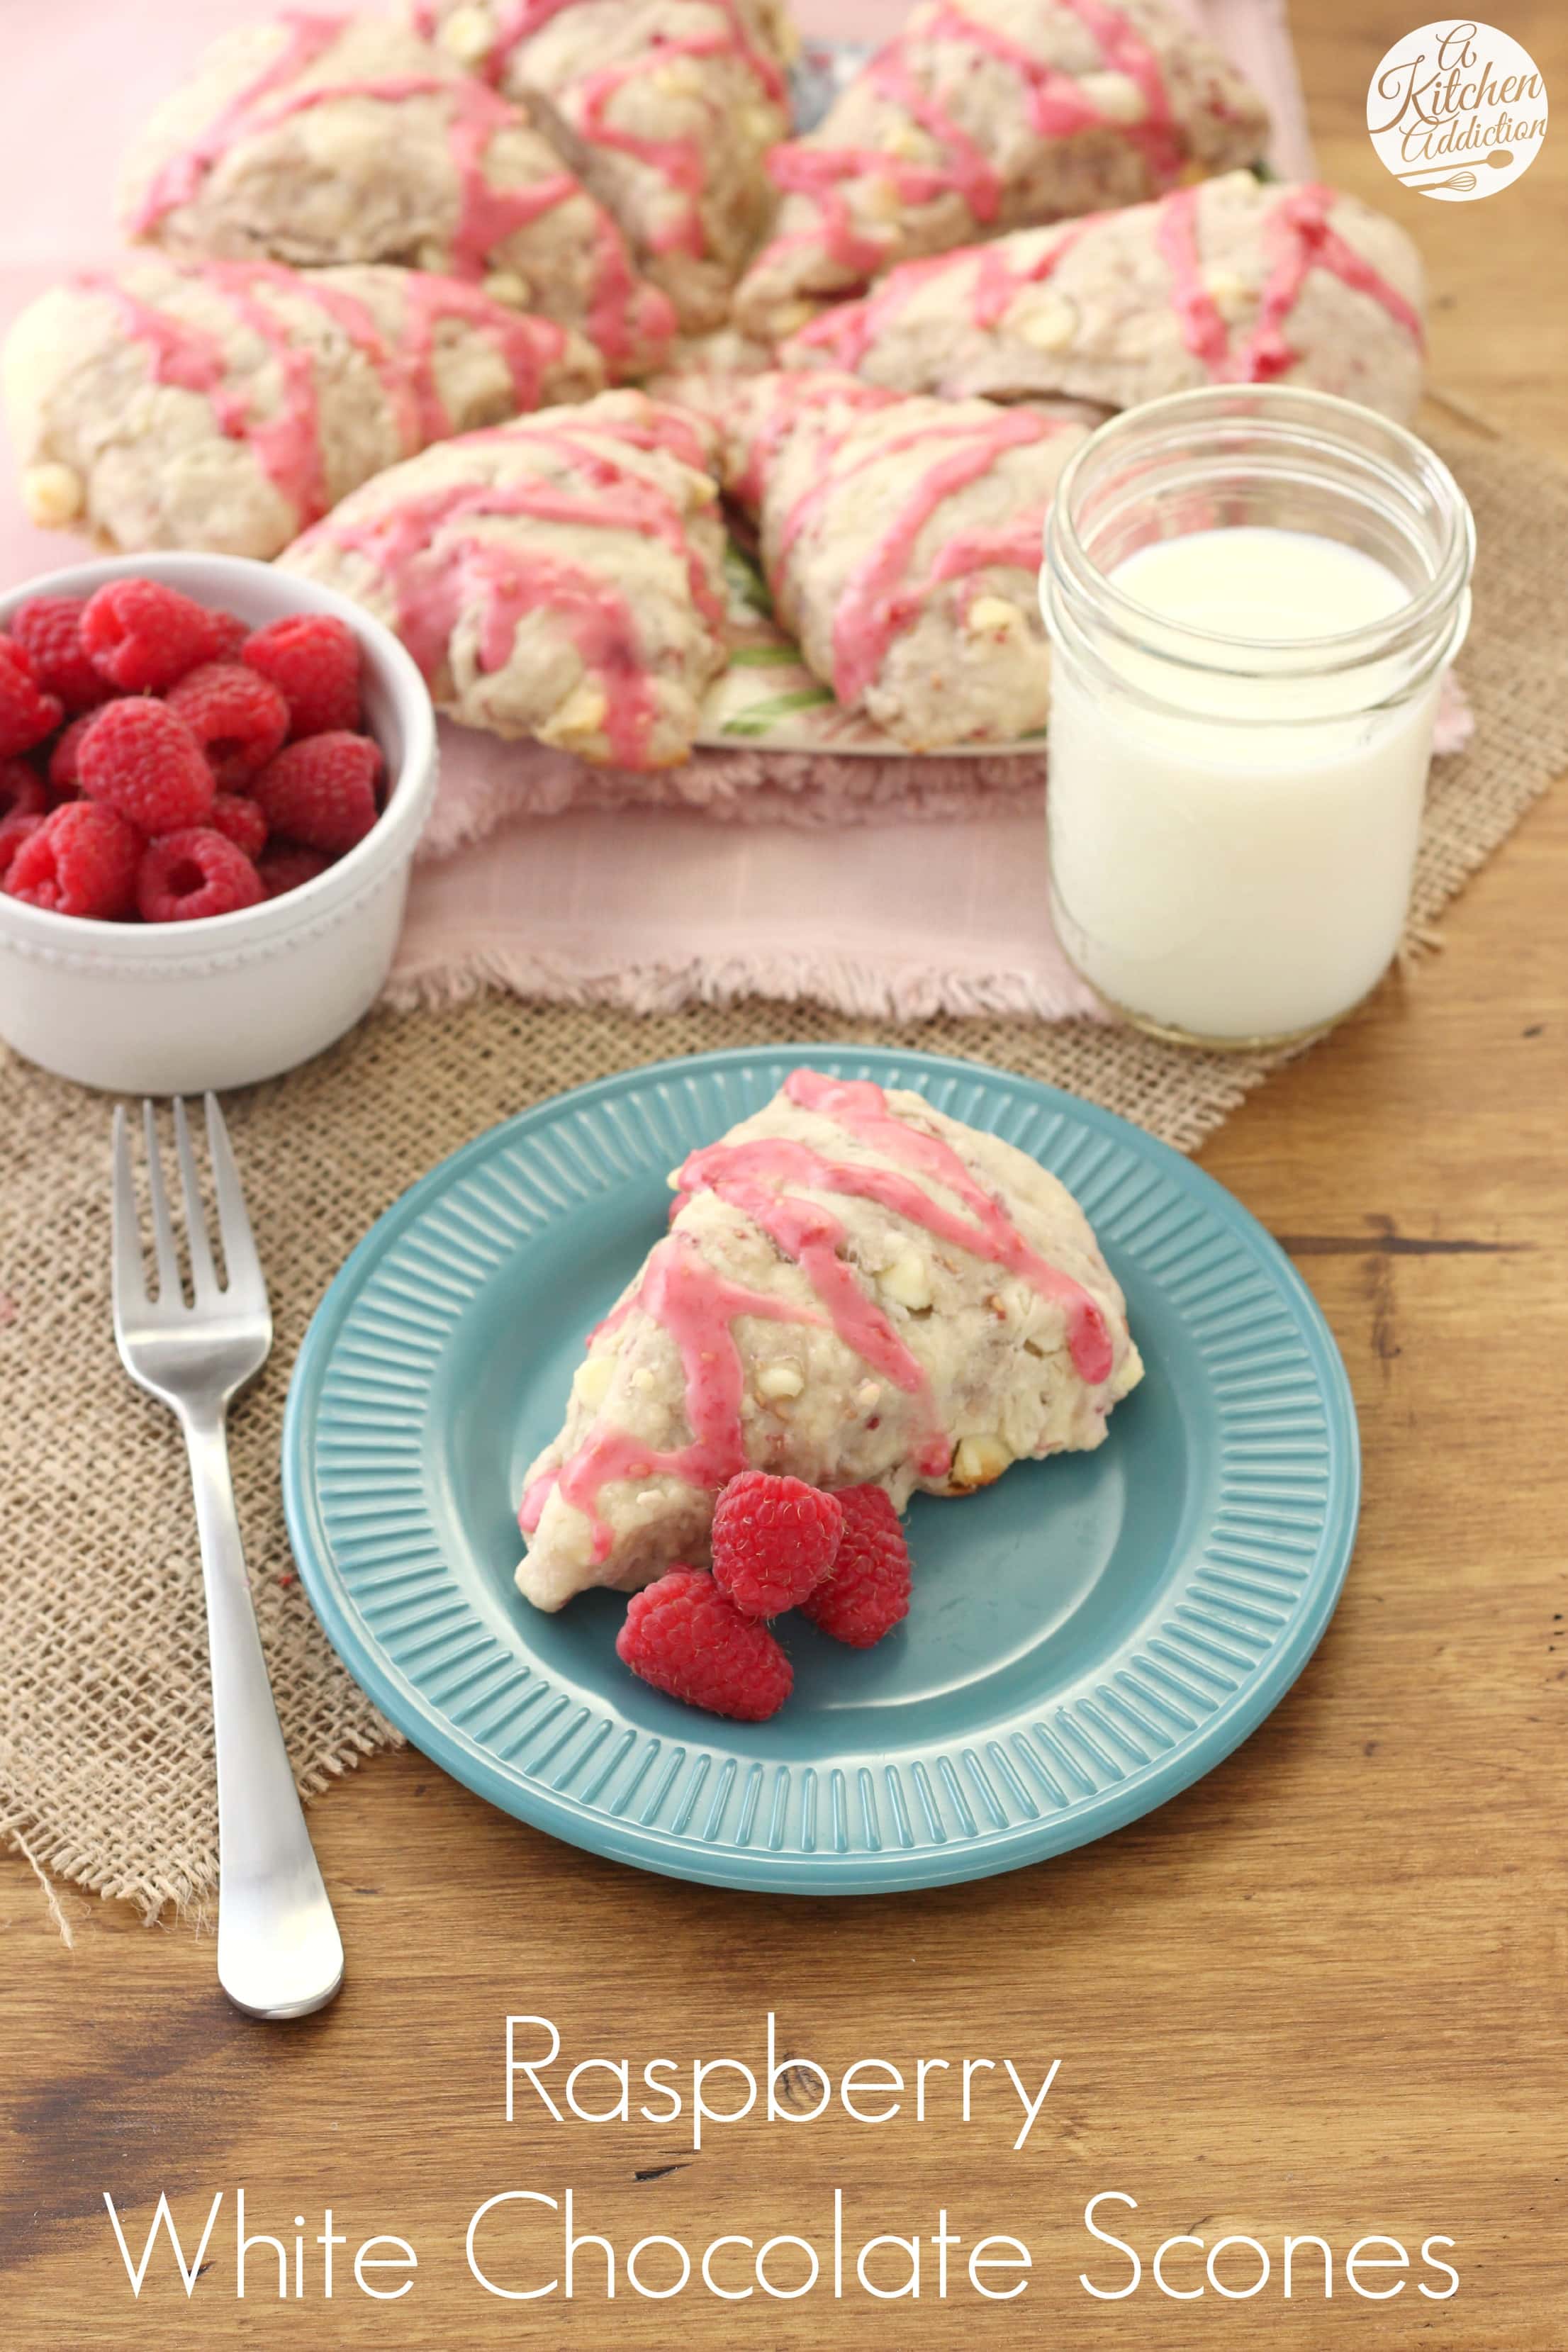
point(1241, 725)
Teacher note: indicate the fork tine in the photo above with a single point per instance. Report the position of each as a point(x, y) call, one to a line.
point(242, 1267)
point(130, 1279)
point(203, 1279)
point(163, 1231)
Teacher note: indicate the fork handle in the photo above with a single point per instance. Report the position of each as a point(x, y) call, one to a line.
point(279, 1951)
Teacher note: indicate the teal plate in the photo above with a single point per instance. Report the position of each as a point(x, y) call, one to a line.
point(1087, 1637)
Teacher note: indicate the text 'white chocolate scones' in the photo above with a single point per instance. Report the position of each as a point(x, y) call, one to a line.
point(225, 405)
point(561, 577)
point(987, 115)
point(1232, 282)
point(902, 543)
point(667, 110)
point(855, 1290)
point(317, 139)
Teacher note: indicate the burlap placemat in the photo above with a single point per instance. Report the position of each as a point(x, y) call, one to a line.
point(106, 1770)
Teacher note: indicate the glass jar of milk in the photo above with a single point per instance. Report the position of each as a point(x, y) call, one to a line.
point(1252, 594)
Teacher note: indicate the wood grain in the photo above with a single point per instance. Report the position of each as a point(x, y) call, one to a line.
point(1321, 1993)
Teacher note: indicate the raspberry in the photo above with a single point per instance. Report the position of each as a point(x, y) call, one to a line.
point(22, 791)
point(684, 1636)
point(868, 1592)
point(50, 629)
point(240, 821)
point(237, 718)
point(188, 875)
point(287, 867)
point(14, 832)
point(26, 713)
point(142, 635)
point(65, 778)
point(141, 757)
point(774, 1541)
point(81, 861)
point(321, 792)
point(314, 660)
point(226, 635)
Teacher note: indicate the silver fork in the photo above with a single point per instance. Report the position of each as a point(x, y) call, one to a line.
point(279, 1951)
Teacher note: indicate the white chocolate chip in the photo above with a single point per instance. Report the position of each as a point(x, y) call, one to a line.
point(881, 198)
point(906, 1281)
point(1047, 322)
point(867, 1395)
point(1229, 292)
point(903, 140)
point(1115, 97)
point(53, 495)
point(764, 126)
point(584, 712)
point(506, 286)
point(643, 1378)
point(991, 617)
point(468, 35)
point(592, 1383)
point(790, 316)
point(977, 1461)
point(779, 1381)
point(680, 78)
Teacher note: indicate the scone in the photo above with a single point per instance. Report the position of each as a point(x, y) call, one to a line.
point(902, 543)
point(988, 115)
point(855, 1290)
point(666, 109)
point(225, 405)
point(1232, 281)
point(561, 577)
point(315, 140)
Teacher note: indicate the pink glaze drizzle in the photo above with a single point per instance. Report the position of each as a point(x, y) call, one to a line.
point(697, 1306)
point(177, 181)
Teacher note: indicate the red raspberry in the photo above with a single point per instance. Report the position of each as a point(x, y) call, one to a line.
point(774, 1541)
point(22, 790)
point(240, 821)
point(142, 635)
point(81, 861)
point(868, 1592)
point(14, 832)
point(286, 867)
point(684, 1636)
point(237, 718)
point(142, 759)
point(50, 629)
point(314, 660)
point(321, 792)
point(188, 875)
point(227, 633)
point(65, 778)
point(26, 713)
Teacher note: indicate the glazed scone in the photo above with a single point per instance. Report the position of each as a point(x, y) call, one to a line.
point(901, 543)
point(561, 577)
point(855, 1289)
point(988, 115)
point(667, 110)
point(318, 140)
point(1233, 282)
point(225, 405)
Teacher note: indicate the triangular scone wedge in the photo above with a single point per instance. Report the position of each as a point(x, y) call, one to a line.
point(902, 543)
point(315, 140)
point(855, 1290)
point(667, 110)
point(1234, 281)
point(560, 577)
point(987, 115)
point(226, 405)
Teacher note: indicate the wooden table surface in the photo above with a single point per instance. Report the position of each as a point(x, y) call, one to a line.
point(1321, 1992)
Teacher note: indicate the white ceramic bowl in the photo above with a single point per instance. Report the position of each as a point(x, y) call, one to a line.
point(173, 1008)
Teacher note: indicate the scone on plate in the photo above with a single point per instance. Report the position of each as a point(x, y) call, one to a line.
point(1231, 281)
point(902, 543)
point(561, 577)
point(316, 139)
point(855, 1290)
point(983, 116)
point(667, 110)
point(225, 405)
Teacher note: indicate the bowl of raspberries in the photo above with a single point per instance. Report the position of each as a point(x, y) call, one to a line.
point(213, 777)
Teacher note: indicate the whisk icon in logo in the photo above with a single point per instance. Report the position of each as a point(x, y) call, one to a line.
point(1456, 110)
